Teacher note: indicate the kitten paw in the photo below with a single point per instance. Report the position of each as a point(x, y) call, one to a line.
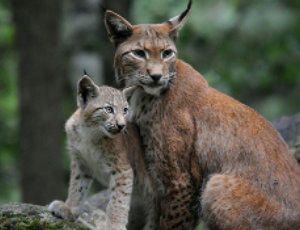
point(61, 210)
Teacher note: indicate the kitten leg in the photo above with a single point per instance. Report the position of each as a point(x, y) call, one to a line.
point(118, 207)
point(79, 184)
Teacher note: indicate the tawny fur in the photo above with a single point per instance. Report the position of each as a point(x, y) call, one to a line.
point(207, 154)
point(96, 153)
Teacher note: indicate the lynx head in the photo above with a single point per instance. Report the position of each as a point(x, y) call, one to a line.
point(145, 54)
point(103, 109)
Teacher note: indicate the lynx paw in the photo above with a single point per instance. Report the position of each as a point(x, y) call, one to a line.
point(61, 210)
point(99, 218)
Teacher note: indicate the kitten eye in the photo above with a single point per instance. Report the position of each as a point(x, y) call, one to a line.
point(139, 53)
point(167, 53)
point(125, 110)
point(109, 109)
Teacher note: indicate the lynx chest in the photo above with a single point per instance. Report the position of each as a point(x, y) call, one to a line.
point(94, 160)
point(147, 116)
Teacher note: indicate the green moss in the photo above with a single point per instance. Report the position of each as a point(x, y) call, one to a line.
point(10, 221)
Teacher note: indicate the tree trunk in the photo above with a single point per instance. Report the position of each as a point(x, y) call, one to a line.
point(40, 91)
point(123, 8)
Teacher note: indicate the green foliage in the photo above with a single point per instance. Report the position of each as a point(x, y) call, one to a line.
point(8, 109)
point(248, 49)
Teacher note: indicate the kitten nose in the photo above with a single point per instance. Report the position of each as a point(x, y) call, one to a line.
point(121, 126)
point(156, 77)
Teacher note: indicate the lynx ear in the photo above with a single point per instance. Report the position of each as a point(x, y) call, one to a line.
point(86, 89)
point(177, 22)
point(118, 28)
point(127, 92)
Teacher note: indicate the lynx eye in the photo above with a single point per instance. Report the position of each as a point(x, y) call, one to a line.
point(167, 53)
point(125, 110)
point(139, 53)
point(109, 109)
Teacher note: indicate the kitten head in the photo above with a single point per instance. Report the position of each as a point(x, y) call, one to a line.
point(103, 109)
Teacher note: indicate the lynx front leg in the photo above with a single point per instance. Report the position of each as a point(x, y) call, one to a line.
point(118, 207)
point(152, 214)
point(80, 182)
point(177, 206)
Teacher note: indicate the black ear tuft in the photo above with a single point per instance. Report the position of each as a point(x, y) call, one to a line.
point(84, 72)
point(86, 90)
point(177, 22)
point(184, 13)
point(118, 28)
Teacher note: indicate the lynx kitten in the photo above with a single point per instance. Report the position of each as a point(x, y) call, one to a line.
point(97, 144)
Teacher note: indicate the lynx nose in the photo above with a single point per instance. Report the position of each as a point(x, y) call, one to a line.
point(156, 77)
point(121, 126)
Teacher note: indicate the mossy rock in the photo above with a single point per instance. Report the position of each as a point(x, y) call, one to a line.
point(32, 217)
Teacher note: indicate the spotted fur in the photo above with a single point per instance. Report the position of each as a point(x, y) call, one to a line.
point(100, 150)
point(207, 154)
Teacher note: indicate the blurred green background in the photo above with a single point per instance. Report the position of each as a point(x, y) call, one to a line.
point(247, 49)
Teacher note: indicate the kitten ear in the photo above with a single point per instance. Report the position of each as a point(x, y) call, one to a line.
point(177, 22)
point(127, 92)
point(118, 28)
point(86, 90)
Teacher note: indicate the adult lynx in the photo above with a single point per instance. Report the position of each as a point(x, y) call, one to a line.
point(207, 154)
